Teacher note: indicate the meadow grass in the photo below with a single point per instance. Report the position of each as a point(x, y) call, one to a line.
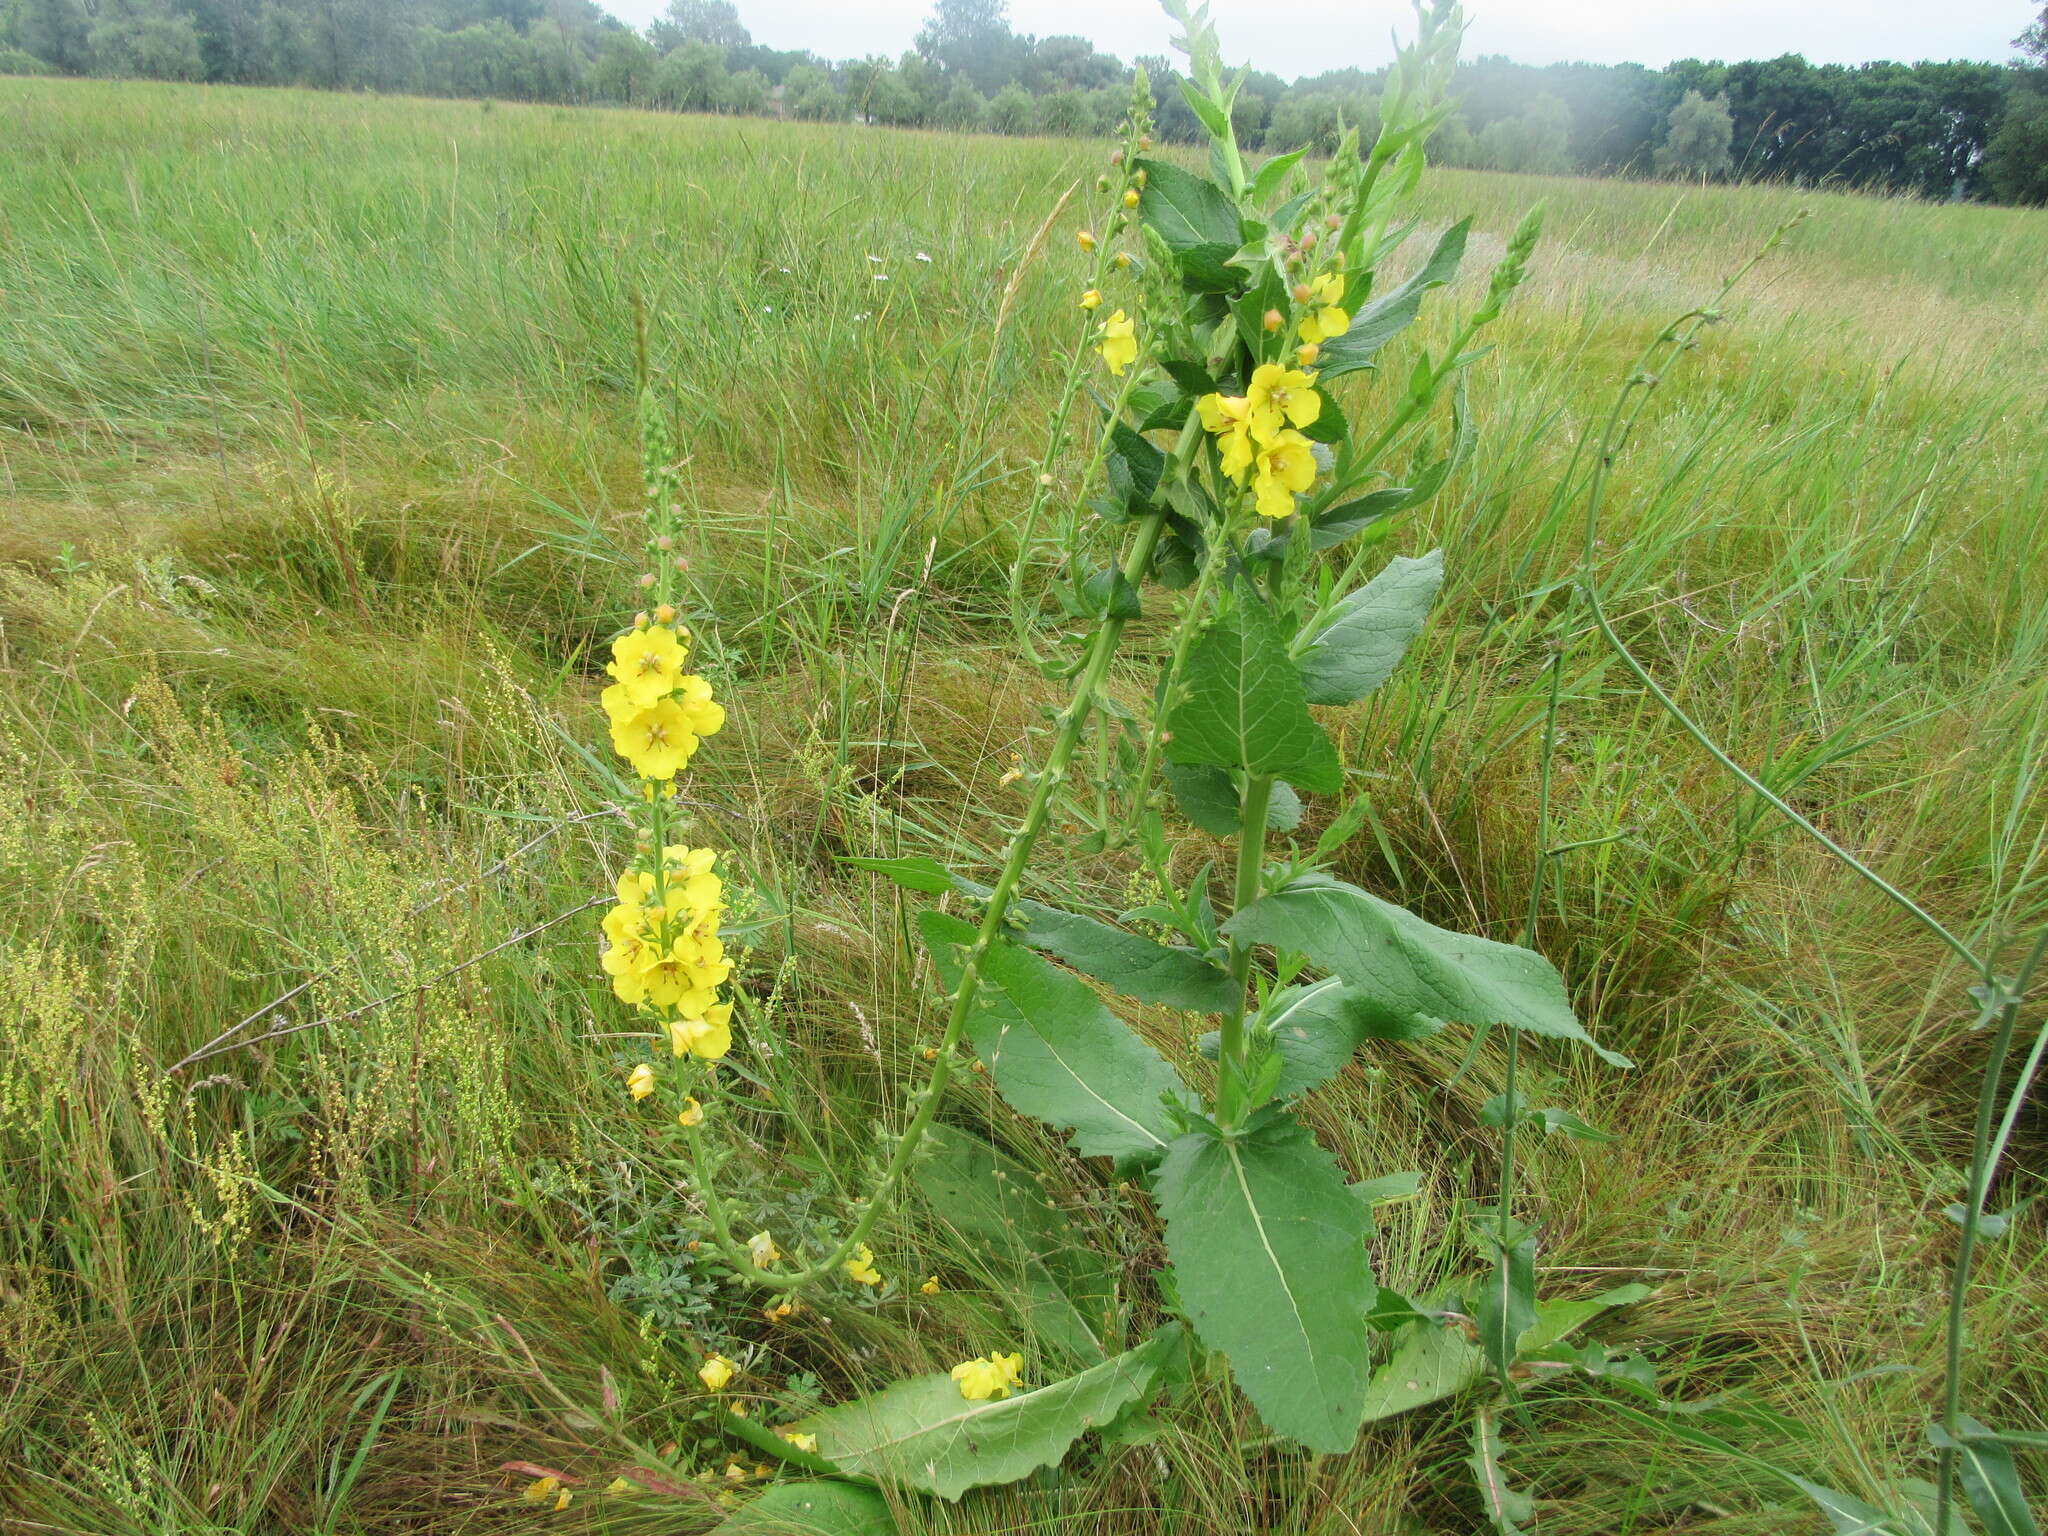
point(317, 464)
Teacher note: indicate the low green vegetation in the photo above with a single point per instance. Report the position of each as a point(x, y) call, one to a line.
point(325, 1209)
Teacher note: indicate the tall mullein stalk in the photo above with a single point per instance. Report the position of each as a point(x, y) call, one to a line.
point(1071, 725)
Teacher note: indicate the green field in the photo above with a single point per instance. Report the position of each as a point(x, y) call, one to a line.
point(317, 470)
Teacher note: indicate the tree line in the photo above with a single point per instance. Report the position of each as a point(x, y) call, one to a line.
point(1948, 130)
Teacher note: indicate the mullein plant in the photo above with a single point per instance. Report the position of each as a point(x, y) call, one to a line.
point(1226, 492)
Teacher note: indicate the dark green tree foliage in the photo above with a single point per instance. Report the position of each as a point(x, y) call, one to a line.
point(2016, 163)
point(1696, 144)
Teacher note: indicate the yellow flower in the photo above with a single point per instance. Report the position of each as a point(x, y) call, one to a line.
point(707, 1038)
point(1120, 260)
point(656, 740)
point(1326, 317)
point(930, 1286)
point(988, 1376)
point(1119, 342)
point(693, 697)
point(692, 1113)
point(1092, 299)
point(762, 1250)
point(802, 1441)
point(1130, 197)
point(1229, 417)
point(646, 663)
point(861, 1267)
point(1085, 239)
point(622, 1487)
point(640, 1081)
point(1279, 398)
point(1287, 466)
point(716, 1372)
point(543, 1489)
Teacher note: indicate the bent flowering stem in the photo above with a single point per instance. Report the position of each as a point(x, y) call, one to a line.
point(1072, 722)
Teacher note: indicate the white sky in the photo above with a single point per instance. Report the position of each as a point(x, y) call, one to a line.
point(1327, 34)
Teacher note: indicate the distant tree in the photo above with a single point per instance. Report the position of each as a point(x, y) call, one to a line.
point(151, 45)
point(1064, 114)
point(2016, 158)
point(744, 94)
point(716, 22)
point(1453, 143)
point(14, 62)
point(1011, 110)
point(54, 31)
point(808, 93)
point(1696, 144)
point(973, 38)
point(963, 109)
point(1316, 120)
point(692, 78)
point(623, 72)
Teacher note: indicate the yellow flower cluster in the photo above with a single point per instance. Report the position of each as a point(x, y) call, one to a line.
point(1256, 432)
point(988, 1376)
point(658, 712)
point(664, 955)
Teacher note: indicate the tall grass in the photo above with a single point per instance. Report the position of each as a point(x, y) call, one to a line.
point(316, 451)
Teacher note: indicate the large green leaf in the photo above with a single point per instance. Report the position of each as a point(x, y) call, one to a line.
point(1436, 1360)
point(1318, 1027)
point(1134, 965)
point(1268, 1245)
point(1991, 1481)
point(1505, 1506)
point(1187, 210)
point(1055, 1051)
point(1412, 969)
point(812, 1507)
point(1370, 631)
point(1380, 321)
point(1242, 705)
point(1023, 1245)
point(921, 1433)
point(1208, 797)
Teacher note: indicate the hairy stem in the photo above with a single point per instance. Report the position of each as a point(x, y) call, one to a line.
point(1251, 863)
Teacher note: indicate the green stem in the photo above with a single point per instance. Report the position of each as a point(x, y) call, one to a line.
point(1073, 719)
point(1982, 1165)
point(1251, 864)
point(1186, 627)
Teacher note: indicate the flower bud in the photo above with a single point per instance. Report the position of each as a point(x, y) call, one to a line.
point(665, 542)
point(1120, 260)
point(1145, 142)
point(1333, 223)
point(665, 613)
point(1307, 353)
point(1102, 183)
point(1142, 176)
point(1130, 197)
point(646, 579)
point(682, 562)
point(1085, 239)
point(640, 619)
point(1092, 299)
point(1116, 157)
point(1303, 293)
point(1274, 320)
point(1046, 481)
point(1308, 240)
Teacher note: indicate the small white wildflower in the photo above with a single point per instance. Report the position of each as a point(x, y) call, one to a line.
point(876, 259)
point(922, 257)
point(881, 277)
